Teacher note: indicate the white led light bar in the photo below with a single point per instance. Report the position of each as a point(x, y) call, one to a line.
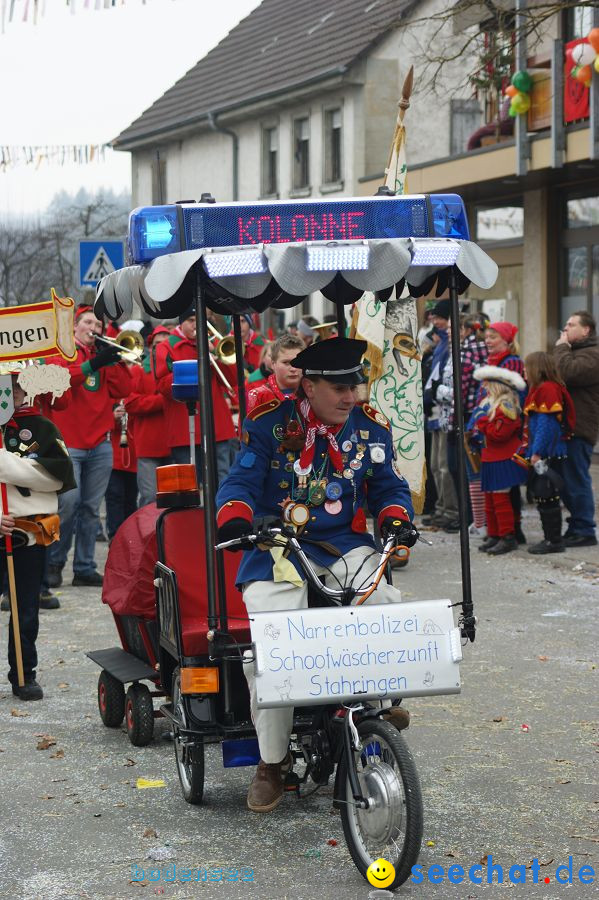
point(435, 253)
point(337, 257)
point(223, 263)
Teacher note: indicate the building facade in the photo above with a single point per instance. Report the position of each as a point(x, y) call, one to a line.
point(300, 100)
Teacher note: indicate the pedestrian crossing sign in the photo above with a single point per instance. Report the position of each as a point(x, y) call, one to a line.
point(97, 259)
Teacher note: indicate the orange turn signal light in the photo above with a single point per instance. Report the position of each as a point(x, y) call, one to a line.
point(177, 478)
point(199, 681)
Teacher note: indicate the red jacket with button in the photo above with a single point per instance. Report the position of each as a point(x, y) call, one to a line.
point(148, 408)
point(176, 415)
point(88, 418)
point(502, 436)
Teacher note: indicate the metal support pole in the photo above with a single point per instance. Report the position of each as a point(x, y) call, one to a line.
point(594, 103)
point(521, 126)
point(208, 446)
point(240, 368)
point(468, 627)
point(215, 567)
point(341, 323)
point(558, 131)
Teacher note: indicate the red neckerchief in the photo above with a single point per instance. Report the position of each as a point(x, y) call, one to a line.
point(495, 358)
point(314, 427)
point(272, 383)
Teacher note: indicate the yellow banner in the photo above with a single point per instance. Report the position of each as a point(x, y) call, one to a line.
point(38, 329)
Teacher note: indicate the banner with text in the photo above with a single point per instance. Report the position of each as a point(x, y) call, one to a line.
point(310, 656)
point(38, 329)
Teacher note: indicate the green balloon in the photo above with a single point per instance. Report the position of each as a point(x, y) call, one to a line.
point(512, 112)
point(522, 81)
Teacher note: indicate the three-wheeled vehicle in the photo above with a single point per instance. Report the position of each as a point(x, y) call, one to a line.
point(235, 259)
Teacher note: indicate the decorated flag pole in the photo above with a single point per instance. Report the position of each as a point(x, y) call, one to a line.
point(7, 408)
point(390, 328)
point(29, 332)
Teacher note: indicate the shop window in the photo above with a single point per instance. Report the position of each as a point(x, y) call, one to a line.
point(270, 157)
point(301, 153)
point(332, 146)
point(499, 223)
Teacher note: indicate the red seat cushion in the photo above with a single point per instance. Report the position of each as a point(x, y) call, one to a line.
point(184, 552)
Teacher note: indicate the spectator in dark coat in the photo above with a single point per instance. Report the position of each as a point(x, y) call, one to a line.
point(577, 357)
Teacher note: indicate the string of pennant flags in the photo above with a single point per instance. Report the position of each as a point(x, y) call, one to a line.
point(33, 10)
point(54, 154)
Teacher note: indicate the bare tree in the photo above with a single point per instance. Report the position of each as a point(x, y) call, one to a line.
point(35, 256)
point(474, 38)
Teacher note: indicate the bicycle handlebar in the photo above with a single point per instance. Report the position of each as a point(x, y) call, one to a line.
point(278, 535)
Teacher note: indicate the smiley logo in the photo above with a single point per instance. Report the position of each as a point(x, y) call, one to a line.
point(380, 873)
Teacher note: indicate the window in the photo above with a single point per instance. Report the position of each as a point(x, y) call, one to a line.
point(270, 155)
point(301, 153)
point(583, 212)
point(500, 223)
point(466, 118)
point(580, 259)
point(333, 172)
point(579, 22)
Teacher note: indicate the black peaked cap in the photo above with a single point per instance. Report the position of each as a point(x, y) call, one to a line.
point(338, 359)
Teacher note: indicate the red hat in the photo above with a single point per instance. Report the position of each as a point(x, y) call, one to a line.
point(505, 329)
point(160, 329)
point(82, 309)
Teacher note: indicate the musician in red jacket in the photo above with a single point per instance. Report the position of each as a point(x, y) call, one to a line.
point(98, 380)
point(182, 345)
point(147, 406)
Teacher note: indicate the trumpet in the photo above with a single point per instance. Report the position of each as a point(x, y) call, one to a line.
point(130, 345)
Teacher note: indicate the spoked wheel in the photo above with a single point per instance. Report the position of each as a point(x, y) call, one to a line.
point(391, 827)
point(111, 699)
point(189, 756)
point(139, 712)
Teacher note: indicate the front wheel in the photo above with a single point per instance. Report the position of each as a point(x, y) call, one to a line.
point(391, 827)
point(189, 756)
point(139, 712)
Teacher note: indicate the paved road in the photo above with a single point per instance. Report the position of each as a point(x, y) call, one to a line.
point(73, 822)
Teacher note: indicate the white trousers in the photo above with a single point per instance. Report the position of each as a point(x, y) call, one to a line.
point(273, 726)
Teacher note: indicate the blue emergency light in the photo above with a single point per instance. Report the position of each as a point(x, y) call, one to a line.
point(157, 230)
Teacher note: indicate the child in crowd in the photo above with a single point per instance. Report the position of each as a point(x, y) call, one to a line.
point(284, 380)
point(549, 422)
point(496, 430)
point(473, 354)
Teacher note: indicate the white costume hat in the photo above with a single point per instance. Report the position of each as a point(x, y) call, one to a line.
point(505, 376)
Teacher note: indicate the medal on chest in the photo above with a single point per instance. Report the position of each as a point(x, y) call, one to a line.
point(294, 437)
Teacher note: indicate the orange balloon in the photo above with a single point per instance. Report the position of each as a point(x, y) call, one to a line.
point(593, 39)
point(511, 91)
point(584, 74)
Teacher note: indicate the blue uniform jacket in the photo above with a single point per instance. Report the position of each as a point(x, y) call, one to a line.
point(262, 478)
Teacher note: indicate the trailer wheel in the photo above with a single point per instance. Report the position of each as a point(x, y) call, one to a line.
point(139, 712)
point(189, 756)
point(111, 699)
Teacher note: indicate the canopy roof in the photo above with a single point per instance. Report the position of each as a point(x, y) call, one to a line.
point(251, 279)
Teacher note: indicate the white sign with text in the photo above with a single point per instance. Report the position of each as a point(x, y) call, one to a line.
point(329, 655)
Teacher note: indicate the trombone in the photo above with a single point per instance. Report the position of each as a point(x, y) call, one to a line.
point(130, 345)
point(225, 352)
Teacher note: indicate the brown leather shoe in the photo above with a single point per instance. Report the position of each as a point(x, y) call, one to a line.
point(398, 716)
point(266, 789)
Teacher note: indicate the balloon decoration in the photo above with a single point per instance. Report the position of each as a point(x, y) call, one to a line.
point(519, 93)
point(585, 58)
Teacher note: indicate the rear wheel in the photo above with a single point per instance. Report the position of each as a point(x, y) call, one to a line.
point(139, 711)
point(391, 827)
point(188, 756)
point(111, 699)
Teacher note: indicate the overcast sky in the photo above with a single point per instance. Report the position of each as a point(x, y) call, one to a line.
point(81, 79)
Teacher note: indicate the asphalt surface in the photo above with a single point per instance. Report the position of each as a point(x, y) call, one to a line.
point(508, 767)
